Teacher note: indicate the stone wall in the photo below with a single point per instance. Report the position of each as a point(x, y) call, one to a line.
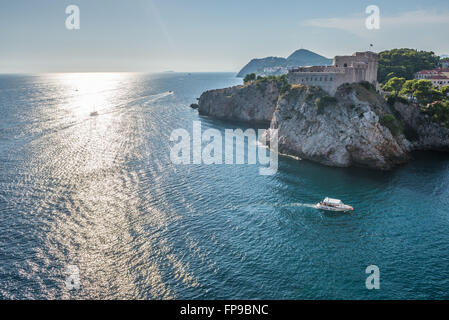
point(324, 80)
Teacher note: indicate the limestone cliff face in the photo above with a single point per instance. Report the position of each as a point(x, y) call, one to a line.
point(345, 131)
point(424, 134)
point(252, 103)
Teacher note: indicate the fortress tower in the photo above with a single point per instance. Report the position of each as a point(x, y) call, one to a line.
point(367, 62)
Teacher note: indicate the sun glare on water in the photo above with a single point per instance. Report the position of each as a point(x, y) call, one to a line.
point(91, 92)
point(95, 129)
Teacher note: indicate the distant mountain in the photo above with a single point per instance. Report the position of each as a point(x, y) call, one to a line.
point(258, 65)
point(278, 65)
point(303, 57)
point(444, 56)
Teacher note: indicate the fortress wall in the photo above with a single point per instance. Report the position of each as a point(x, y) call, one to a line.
point(324, 80)
point(346, 77)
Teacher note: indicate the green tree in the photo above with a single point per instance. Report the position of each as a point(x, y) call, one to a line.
point(423, 91)
point(394, 85)
point(436, 95)
point(439, 112)
point(249, 77)
point(445, 91)
point(404, 63)
point(407, 88)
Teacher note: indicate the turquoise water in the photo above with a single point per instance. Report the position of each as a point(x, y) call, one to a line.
point(101, 193)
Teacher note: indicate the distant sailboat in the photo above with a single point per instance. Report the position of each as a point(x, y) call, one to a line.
point(94, 113)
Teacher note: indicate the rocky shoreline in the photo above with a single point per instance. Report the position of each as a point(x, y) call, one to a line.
point(357, 127)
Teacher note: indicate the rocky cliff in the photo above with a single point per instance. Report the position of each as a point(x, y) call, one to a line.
point(356, 127)
point(252, 103)
point(420, 130)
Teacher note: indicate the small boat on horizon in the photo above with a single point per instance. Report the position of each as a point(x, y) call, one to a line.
point(333, 205)
point(93, 113)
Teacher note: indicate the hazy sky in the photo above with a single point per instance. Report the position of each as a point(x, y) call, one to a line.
point(205, 35)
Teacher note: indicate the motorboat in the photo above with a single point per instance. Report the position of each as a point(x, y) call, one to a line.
point(333, 205)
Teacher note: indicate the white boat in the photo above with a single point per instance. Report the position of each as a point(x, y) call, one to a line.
point(94, 113)
point(333, 205)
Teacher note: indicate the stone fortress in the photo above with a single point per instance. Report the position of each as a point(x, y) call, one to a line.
point(361, 66)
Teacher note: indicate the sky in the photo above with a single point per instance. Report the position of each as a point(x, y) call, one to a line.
point(205, 35)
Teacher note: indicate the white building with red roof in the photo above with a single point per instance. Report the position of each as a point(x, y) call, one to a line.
point(438, 76)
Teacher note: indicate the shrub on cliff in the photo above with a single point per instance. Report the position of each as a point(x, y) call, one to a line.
point(249, 77)
point(439, 112)
point(284, 86)
point(368, 86)
point(322, 102)
point(281, 82)
point(389, 121)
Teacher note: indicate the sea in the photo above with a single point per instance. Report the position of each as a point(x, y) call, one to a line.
point(93, 207)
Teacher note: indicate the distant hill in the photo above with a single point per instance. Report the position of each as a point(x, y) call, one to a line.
point(258, 65)
point(301, 57)
point(444, 56)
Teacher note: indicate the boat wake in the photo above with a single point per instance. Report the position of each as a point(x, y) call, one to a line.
point(280, 205)
point(142, 101)
point(155, 97)
point(298, 204)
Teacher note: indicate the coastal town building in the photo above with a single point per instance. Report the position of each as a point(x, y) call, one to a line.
point(274, 71)
point(361, 66)
point(439, 76)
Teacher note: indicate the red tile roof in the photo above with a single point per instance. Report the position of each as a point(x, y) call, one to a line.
point(436, 71)
point(439, 78)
